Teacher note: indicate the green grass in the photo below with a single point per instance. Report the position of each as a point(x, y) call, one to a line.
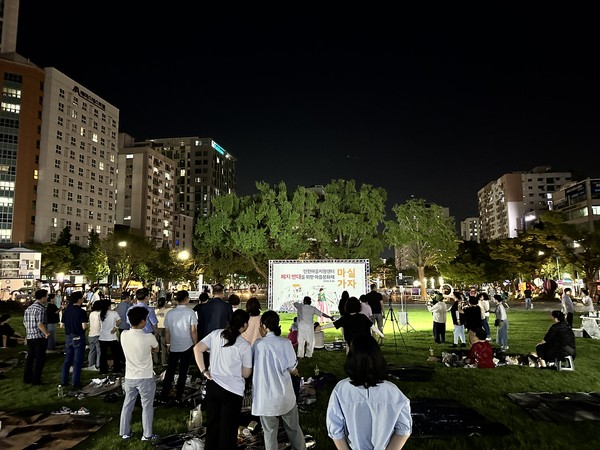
point(483, 390)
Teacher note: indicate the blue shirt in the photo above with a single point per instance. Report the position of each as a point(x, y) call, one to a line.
point(151, 320)
point(122, 309)
point(367, 418)
point(272, 389)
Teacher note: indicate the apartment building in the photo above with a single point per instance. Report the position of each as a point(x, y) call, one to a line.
point(507, 205)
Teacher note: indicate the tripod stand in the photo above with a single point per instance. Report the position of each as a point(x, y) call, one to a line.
point(391, 316)
point(403, 314)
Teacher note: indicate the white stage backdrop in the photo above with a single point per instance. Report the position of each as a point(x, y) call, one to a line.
point(291, 280)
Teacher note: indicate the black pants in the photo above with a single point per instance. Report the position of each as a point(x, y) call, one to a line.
point(36, 359)
point(116, 352)
point(223, 411)
point(183, 360)
point(439, 332)
point(570, 319)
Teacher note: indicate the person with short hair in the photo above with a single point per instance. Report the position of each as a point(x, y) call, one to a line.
point(142, 296)
point(252, 333)
point(365, 410)
point(587, 301)
point(558, 342)
point(181, 336)
point(75, 321)
point(234, 300)
point(306, 330)
point(273, 395)
point(215, 313)
point(139, 374)
point(35, 322)
point(375, 301)
point(502, 320)
point(109, 325)
point(53, 314)
point(481, 353)
point(352, 323)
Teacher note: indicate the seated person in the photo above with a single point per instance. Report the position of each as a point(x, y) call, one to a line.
point(558, 342)
point(481, 353)
point(319, 336)
point(8, 336)
point(293, 333)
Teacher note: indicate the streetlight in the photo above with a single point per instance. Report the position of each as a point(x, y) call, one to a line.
point(122, 244)
point(183, 255)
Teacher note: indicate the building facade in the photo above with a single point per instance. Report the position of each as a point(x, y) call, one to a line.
point(78, 162)
point(507, 205)
point(470, 229)
point(9, 20)
point(145, 198)
point(579, 202)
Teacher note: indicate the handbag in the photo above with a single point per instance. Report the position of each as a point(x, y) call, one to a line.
point(497, 322)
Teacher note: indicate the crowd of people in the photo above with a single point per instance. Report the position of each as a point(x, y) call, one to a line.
point(237, 347)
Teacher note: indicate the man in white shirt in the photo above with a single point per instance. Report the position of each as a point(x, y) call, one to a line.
point(306, 330)
point(181, 336)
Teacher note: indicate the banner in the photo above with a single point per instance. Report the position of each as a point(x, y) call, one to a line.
point(321, 280)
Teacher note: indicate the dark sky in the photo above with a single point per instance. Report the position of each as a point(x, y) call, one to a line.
point(432, 103)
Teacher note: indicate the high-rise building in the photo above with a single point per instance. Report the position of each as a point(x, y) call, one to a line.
point(78, 162)
point(470, 229)
point(145, 197)
point(20, 127)
point(508, 204)
point(9, 20)
point(204, 170)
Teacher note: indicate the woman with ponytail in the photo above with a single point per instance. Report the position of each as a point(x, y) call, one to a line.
point(230, 359)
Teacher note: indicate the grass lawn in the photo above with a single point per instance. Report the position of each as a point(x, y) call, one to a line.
point(483, 390)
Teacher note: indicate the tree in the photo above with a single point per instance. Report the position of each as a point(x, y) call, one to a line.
point(576, 244)
point(268, 225)
point(349, 221)
point(424, 234)
point(55, 259)
point(94, 262)
point(64, 239)
point(128, 255)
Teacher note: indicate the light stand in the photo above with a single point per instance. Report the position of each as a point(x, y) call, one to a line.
point(404, 314)
point(390, 315)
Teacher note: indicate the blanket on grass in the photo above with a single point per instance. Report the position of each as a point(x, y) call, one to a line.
point(30, 429)
point(560, 407)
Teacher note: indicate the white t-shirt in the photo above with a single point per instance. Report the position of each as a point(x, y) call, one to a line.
point(137, 347)
point(107, 325)
point(94, 324)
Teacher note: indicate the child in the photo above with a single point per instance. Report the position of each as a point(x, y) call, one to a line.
point(481, 353)
point(139, 374)
point(293, 334)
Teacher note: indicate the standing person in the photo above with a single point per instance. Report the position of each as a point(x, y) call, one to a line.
point(558, 342)
point(139, 374)
point(216, 312)
point(142, 296)
point(230, 365)
point(342, 304)
point(122, 309)
point(567, 306)
point(375, 301)
point(528, 300)
point(273, 395)
point(472, 314)
point(202, 300)
point(109, 325)
point(306, 329)
point(587, 301)
point(438, 310)
point(322, 304)
point(366, 411)
point(252, 333)
point(458, 320)
point(181, 336)
point(484, 304)
point(75, 321)
point(364, 307)
point(161, 311)
point(94, 338)
point(94, 297)
point(35, 322)
point(353, 323)
point(502, 321)
point(53, 314)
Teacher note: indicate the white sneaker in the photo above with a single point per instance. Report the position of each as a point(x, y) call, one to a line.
point(90, 368)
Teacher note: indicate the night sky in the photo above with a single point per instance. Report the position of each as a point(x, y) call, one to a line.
point(432, 104)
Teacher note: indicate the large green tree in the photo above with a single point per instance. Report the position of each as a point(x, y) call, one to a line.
point(349, 222)
point(424, 234)
point(271, 224)
point(94, 261)
point(128, 256)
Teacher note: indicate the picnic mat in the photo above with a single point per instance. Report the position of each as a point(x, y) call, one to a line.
point(411, 373)
point(33, 430)
point(444, 418)
point(560, 407)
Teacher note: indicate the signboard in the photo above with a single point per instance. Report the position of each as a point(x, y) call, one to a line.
point(291, 280)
